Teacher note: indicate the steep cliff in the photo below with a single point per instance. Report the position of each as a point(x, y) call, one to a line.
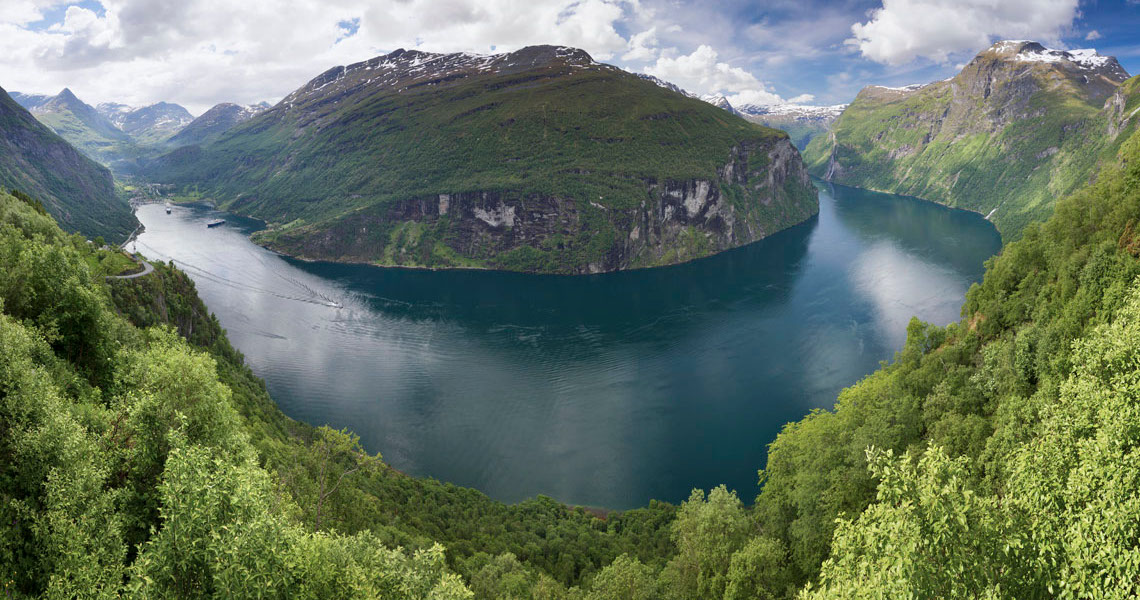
point(536, 160)
point(675, 221)
point(1018, 127)
point(76, 190)
point(213, 123)
point(85, 128)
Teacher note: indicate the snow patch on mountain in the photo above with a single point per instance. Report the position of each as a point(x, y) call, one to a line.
point(1084, 58)
point(798, 111)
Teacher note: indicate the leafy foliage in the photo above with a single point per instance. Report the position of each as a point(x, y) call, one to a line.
point(74, 189)
point(1001, 138)
point(125, 469)
point(975, 404)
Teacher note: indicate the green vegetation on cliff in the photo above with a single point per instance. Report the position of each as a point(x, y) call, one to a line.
point(76, 190)
point(995, 457)
point(1006, 137)
point(91, 132)
point(141, 462)
point(519, 161)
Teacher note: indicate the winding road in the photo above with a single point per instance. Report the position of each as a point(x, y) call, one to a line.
point(147, 270)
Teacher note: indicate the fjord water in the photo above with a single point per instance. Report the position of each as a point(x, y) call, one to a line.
point(604, 390)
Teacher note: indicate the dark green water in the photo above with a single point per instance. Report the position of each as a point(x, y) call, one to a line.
point(604, 390)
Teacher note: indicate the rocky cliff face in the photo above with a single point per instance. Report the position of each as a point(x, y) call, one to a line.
point(677, 221)
point(77, 191)
point(1019, 126)
point(538, 160)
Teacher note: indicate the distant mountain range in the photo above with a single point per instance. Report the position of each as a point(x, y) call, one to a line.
point(536, 160)
point(802, 122)
point(120, 136)
point(81, 125)
point(152, 124)
point(1018, 127)
point(214, 122)
point(76, 190)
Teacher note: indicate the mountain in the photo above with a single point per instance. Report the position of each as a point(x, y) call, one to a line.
point(30, 101)
point(667, 85)
point(147, 125)
point(801, 121)
point(719, 101)
point(1018, 127)
point(536, 160)
point(76, 190)
point(1001, 452)
point(85, 128)
point(214, 122)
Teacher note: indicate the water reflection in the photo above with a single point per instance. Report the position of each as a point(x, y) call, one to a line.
point(603, 390)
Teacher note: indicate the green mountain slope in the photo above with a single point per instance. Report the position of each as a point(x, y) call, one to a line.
point(537, 160)
point(1018, 425)
point(213, 123)
point(148, 125)
point(1017, 128)
point(76, 190)
point(996, 457)
point(83, 127)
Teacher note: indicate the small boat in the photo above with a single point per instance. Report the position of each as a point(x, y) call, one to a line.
point(215, 222)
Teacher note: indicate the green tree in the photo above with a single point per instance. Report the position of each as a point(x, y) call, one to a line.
point(759, 571)
point(327, 466)
point(624, 579)
point(707, 532)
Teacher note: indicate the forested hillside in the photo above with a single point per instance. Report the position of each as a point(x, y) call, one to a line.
point(76, 190)
point(995, 457)
point(537, 160)
point(1017, 128)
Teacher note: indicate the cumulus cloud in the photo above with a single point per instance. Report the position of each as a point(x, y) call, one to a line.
point(199, 52)
point(22, 12)
point(1093, 35)
point(642, 46)
point(703, 72)
point(903, 30)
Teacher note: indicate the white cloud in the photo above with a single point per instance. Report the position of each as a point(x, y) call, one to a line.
point(22, 12)
point(1093, 35)
point(903, 30)
point(702, 72)
point(200, 52)
point(642, 46)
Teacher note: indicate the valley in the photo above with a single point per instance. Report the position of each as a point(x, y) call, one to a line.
point(519, 385)
point(541, 323)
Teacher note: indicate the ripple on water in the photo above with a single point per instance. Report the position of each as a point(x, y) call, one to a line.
point(602, 390)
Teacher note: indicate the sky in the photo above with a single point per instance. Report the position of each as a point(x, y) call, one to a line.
point(201, 52)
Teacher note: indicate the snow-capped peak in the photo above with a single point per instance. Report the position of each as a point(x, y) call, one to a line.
point(906, 88)
point(1084, 58)
point(799, 111)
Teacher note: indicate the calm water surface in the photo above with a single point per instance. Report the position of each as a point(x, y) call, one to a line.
point(604, 390)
